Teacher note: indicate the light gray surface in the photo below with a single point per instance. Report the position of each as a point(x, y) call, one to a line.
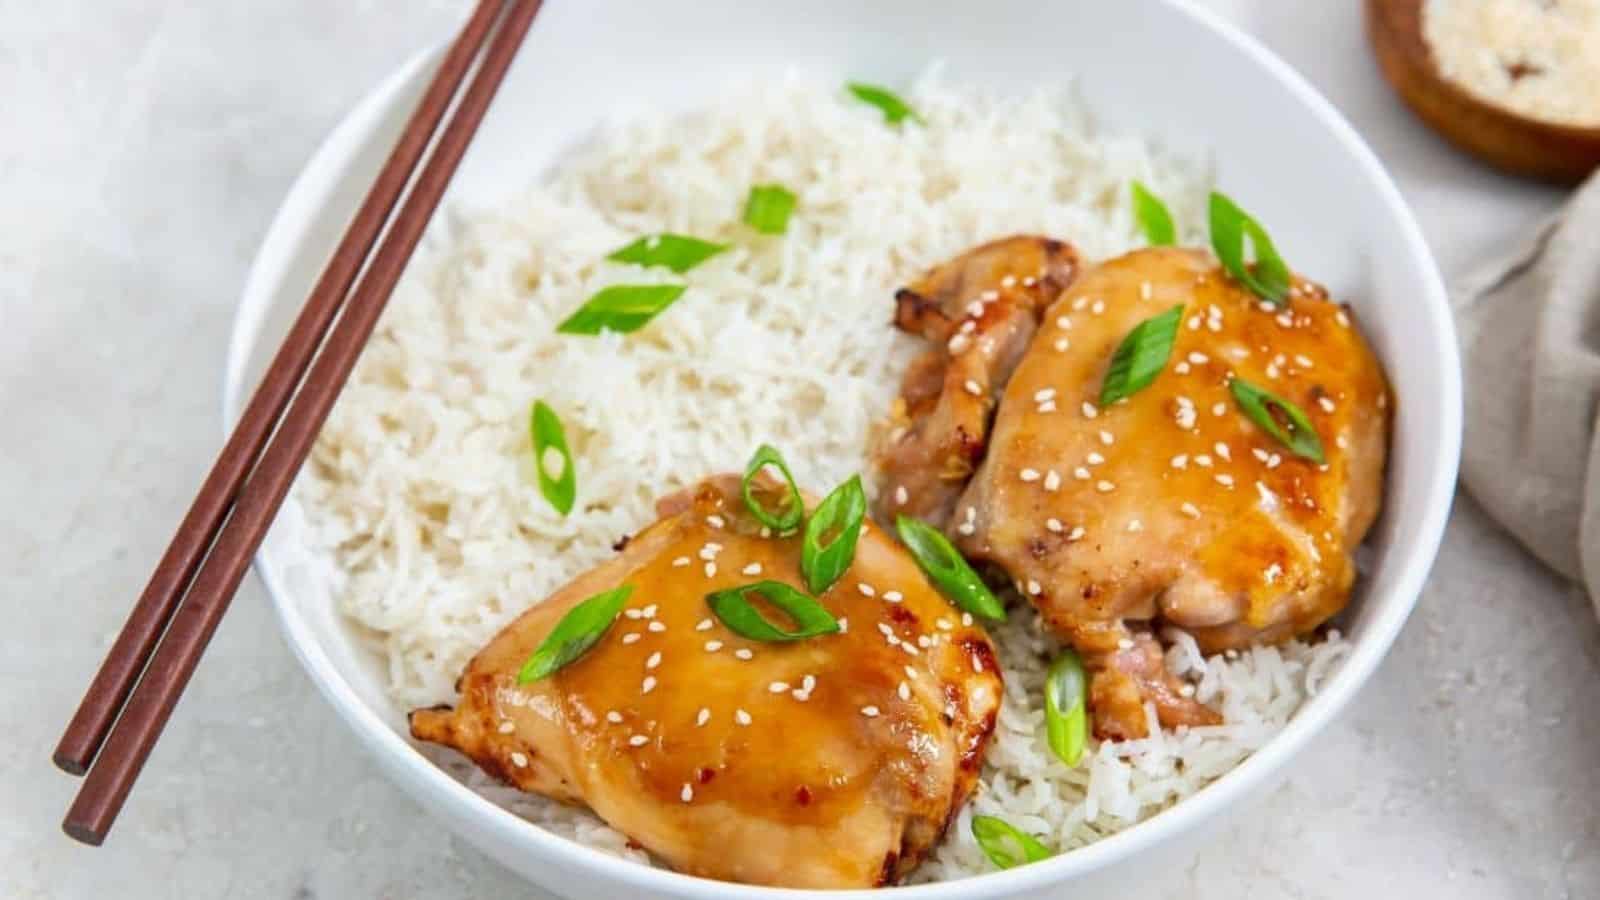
point(143, 149)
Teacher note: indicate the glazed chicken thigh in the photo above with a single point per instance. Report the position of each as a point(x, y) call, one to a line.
point(1172, 506)
point(979, 310)
point(834, 761)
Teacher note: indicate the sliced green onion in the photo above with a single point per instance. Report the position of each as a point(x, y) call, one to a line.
point(1141, 356)
point(677, 252)
point(1230, 225)
point(788, 516)
point(1066, 692)
point(895, 110)
point(734, 608)
point(839, 514)
point(621, 308)
point(947, 569)
point(548, 434)
point(992, 833)
point(769, 208)
point(1154, 220)
point(580, 629)
point(1295, 431)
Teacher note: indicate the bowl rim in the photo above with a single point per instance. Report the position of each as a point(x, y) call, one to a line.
point(432, 785)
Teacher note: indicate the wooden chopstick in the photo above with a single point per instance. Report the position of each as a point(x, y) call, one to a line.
point(137, 640)
point(178, 651)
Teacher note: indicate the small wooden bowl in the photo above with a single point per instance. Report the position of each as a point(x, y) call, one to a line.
point(1507, 141)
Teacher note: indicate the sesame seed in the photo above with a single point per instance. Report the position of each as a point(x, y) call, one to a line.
point(507, 727)
point(1326, 404)
point(713, 646)
point(519, 760)
point(958, 342)
point(1089, 410)
point(653, 661)
point(614, 717)
point(1198, 358)
point(866, 590)
point(1044, 394)
point(885, 629)
point(1182, 368)
point(1187, 690)
point(1268, 498)
point(649, 612)
point(745, 653)
point(1029, 281)
point(1029, 475)
point(1098, 307)
point(967, 528)
point(1194, 323)
point(704, 624)
point(688, 792)
point(1342, 442)
point(632, 614)
point(1202, 460)
point(1303, 361)
point(1104, 487)
point(901, 495)
point(944, 624)
point(752, 569)
point(1107, 438)
point(638, 740)
point(1135, 525)
point(893, 596)
point(1095, 459)
point(1034, 588)
point(1224, 479)
point(711, 569)
point(1190, 510)
point(778, 687)
point(972, 388)
point(656, 626)
point(715, 521)
point(904, 690)
point(680, 562)
point(1341, 318)
point(975, 309)
point(1144, 290)
point(742, 717)
point(1218, 408)
point(1272, 572)
point(1054, 525)
point(1049, 406)
point(989, 296)
point(969, 326)
point(844, 625)
point(1273, 460)
point(870, 712)
point(648, 685)
point(1222, 450)
point(1076, 533)
point(1285, 320)
point(707, 553)
point(1125, 644)
point(1181, 461)
point(1009, 281)
point(704, 717)
point(908, 648)
point(1063, 322)
point(1062, 344)
point(1080, 303)
point(966, 619)
point(630, 637)
point(1052, 480)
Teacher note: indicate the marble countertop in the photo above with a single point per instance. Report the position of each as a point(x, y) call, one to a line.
point(144, 146)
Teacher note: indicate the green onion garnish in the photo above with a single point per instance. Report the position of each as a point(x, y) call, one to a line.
point(1295, 431)
point(947, 569)
point(1066, 692)
point(769, 208)
point(895, 110)
point(734, 608)
point(581, 628)
point(1141, 356)
point(677, 252)
point(548, 434)
point(992, 833)
point(1154, 220)
point(621, 308)
point(839, 514)
point(1230, 225)
point(788, 516)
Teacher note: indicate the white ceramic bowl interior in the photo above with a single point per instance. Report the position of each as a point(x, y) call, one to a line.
point(1144, 66)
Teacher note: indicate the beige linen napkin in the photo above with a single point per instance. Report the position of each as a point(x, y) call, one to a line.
point(1530, 333)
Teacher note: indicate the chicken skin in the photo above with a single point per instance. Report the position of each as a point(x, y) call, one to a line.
point(829, 762)
point(979, 310)
point(1172, 506)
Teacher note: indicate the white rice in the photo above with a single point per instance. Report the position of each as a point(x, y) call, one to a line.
point(422, 484)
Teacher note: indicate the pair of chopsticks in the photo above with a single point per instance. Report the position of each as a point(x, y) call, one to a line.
point(132, 696)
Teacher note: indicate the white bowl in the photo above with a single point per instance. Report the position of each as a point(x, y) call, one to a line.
point(1144, 66)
